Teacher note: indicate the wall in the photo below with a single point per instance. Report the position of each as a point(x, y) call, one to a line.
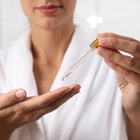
point(13, 22)
point(119, 16)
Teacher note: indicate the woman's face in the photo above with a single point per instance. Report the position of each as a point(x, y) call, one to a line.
point(49, 14)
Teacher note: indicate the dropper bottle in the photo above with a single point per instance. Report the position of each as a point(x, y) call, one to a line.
point(94, 45)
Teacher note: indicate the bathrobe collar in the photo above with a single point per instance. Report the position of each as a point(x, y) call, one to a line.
point(21, 73)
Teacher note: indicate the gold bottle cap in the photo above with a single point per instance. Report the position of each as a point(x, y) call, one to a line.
point(94, 45)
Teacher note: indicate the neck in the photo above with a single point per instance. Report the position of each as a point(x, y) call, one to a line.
point(49, 46)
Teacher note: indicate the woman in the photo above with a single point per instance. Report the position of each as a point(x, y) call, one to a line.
point(34, 64)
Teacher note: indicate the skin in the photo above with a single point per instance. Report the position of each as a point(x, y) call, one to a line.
point(50, 36)
point(127, 71)
point(47, 32)
point(54, 31)
point(15, 112)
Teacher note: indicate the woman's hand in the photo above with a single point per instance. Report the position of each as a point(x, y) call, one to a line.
point(127, 71)
point(16, 109)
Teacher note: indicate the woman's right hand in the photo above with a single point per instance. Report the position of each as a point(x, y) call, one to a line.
point(16, 109)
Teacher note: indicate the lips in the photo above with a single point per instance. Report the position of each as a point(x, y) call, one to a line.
point(49, 6)
point(49, 9)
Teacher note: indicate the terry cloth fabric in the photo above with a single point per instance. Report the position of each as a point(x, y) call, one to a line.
point(94, 114)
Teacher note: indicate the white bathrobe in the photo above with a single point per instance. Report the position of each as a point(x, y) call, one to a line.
point(94, 114)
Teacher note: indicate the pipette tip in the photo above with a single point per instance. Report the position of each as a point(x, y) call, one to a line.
point(65, 76)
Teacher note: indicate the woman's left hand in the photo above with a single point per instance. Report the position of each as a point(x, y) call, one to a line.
point(127, 68)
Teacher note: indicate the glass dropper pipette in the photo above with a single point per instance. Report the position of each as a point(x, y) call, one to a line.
point(94, 45)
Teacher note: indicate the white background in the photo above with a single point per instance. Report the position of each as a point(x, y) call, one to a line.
point(119, 16)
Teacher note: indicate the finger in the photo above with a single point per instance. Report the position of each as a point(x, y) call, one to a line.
point(65, 98)
point(12, 97)
point(32, 114)
point(44, 100)
point(128, 75)
point(53, 106)
point(124, 45)
point(116, 36)
point(127, 62)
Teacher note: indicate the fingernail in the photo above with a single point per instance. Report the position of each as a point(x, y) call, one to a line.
point(102, 51)
point(76, 88)
point(103, 41)
point(20, 94)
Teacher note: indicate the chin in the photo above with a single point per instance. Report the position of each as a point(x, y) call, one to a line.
point(49, 24)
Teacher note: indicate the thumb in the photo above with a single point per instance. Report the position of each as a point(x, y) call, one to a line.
point(12, 97)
